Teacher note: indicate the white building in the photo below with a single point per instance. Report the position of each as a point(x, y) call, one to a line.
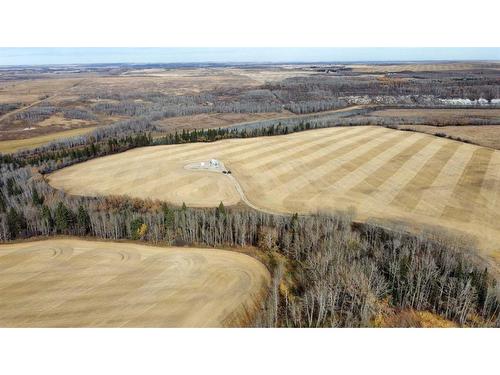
point(214, 163)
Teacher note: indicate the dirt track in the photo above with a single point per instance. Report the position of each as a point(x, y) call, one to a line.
point(77, 283)
point(413, 177)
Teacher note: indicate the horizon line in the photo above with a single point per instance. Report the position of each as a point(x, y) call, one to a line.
point(48, 56)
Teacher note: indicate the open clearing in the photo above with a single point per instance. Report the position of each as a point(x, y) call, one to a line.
point(213, 120)
point(383, 173)
point(19, 144)
point(77, 283)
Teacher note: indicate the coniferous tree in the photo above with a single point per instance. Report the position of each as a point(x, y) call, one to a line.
point(169, 217)
point(12, 187)
point(63, 218)
point(37, 199)
point(3, 206)
point(16, 223)
point(220, 212)
point(47, 217)
point(83, 220)
point(135, 228)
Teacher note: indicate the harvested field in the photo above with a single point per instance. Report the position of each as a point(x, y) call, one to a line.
point(29, 91)
point(387, 174)
point(222, 76)
point(420, 67)
point(167, 180)
point(437, 114)
point(19, 144)
point(174, 81)
point(77, 283)
point(214, 120)
point(482, 135)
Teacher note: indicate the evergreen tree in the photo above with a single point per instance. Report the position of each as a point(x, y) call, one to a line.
point(169, 217)
point(83, 220)
point(3, 206)
point(12, 188)
point(63, 218)
point(220, 212)
point(135, 228)
point(37, 199)
point(47, 217)
point(294, 222)
point(16, 223)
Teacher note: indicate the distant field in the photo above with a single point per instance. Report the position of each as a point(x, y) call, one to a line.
point(28, 91)
point(76, 283)
point(19, 144)
point(450, 122)
point(383, 173)
point(220, 76)
point(440, 113)
point(420, 67)
point(213, 120)
point(483, 135)
point(83, 90)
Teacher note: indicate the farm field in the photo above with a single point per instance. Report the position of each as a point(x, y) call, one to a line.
point(78, 283)
point(221, 120)
point(213, 120)
point(422, 67)
point(439, 114)
point(384, 174)
point(32, 142)
point(482, 135)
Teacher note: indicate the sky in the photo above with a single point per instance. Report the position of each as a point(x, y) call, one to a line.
point(48, 56)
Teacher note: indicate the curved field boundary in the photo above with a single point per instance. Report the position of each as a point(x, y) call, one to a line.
point(77, 283)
